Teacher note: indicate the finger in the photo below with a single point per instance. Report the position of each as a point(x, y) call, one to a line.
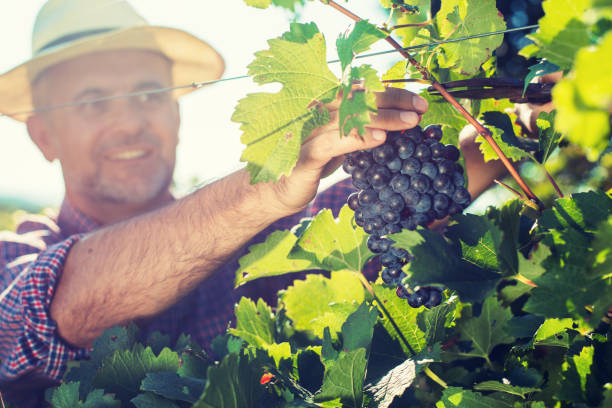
point(332, 166)
point(401, 99)
point(391, 119)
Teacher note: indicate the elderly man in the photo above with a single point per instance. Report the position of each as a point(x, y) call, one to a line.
point(122, 249)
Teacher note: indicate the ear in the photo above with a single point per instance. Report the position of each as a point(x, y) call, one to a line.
point(39, 133)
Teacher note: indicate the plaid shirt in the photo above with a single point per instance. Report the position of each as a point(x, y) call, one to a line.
point(32, 259)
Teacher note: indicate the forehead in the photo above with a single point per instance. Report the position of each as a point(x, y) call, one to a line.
point(121, 70)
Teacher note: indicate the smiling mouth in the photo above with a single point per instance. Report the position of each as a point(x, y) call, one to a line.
point(130, 154)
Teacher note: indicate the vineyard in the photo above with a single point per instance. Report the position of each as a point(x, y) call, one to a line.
point(505, 308)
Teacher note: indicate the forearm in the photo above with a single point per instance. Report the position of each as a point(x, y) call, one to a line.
point(139, 267)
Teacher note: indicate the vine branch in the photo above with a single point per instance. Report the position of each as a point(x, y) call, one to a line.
point(484, 132)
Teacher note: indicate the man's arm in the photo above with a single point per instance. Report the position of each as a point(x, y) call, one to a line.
point(141, 266)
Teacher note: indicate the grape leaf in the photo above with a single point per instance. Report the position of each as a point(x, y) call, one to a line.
point(123, 372)
point(524, 326)
point(232, 384)
point(583, 99)
point(460, 18)
point(67, 396)
point(581, 211)
point(397, 380)
point(172, 386)
point(485, 331)
point(254, 324)
point(358, 328)
point(358, 40)
point(440, 112)
point(529, 268)
point(549, 138)
point(271, 258)
point(562, 49)
point(150, 400)
point(318, 302)
point(503, 133)
point(507, 388)
point(434, 321)
point(288, 4)
point(258, 3)
point(551, 327)
point(541, 68)
point(575, 376)
point(404, 316)
point(557, 14)
point(111, 340)
point(344, 379)
point(601, 248)
point(458, 397)
point(471, 282)
point(274, 125)
point(336, 244)
point(397, 71)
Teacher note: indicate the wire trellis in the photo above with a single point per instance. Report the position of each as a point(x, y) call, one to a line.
point(204, 83)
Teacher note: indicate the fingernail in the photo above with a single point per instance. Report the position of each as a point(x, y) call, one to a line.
point(409, 117)
point(378, 134)
point(420, 104)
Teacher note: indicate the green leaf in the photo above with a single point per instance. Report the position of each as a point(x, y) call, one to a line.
point(397, 71)
point(358, 40)
point(507, 388)
point(336, 244)
point(584, 97)
point(232, 384)
point(111, 340)
point(502, 131)
point(344, 379)
point(355, 111)
point(529, 268)
point(318, 302)
point(358, 328)
point(541, 68)
point(524, 326)
point(404, 316)
point(271, 258)
point(552, 327)
point(275, 125)
point(562, 49)
point(576, 375)
point(459, 18)
point(150, 400)
point(254, 324)
point(549, 138)
point(434, 321)
point(123, 372)
point(440, 112)
point(458, 397)
point(67, 396)
point(262, 4)
point(485, 331)
point(557, 14)
point(471, 282)
point(397, 380)
point(170, 385)
point(601, 248)
point(581, 211)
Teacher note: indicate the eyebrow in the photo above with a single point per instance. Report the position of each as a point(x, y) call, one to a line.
point(93, 93)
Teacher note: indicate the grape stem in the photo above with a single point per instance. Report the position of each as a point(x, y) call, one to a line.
point(423, 24)
point(484, 132)
point(434, 377)
point(382, 307)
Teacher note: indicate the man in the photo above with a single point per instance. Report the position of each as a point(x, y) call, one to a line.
point(122, 249)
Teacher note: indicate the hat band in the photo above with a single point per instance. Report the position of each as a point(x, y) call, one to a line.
point(73, 37)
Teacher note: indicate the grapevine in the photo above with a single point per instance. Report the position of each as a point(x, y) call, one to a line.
point(504, 307)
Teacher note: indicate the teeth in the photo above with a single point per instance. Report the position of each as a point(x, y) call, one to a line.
point(128, 154)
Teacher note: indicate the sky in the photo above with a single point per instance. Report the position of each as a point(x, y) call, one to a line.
point(209, 145)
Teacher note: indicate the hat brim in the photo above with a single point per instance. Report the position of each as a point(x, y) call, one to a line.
point(193, 61)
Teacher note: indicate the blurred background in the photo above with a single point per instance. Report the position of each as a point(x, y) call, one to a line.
point(209, 145)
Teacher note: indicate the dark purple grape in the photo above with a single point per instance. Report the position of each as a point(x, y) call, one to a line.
point(385, 244)
point(360, 178)
point(440, 182)
point(454, 209)
point(422, 295)
point(429, 169)
point(421, 219)
point(458, 168)
point(411, 166)
point(373, 244)
point(367, 197)
point(364, 160)
point(353, 201)
point(391, 229)
point(451, 153)
point(378, 175)
point(405, 147)
point(435, 297)
point(400, 253)
point(422, 152)
point(402, 292)
point(391, 217)
point(378, 208)
point(395, 165)
point(458, 179)
point(377, 222)
point(386, 276)
point(411, 197)
point(349, 164)
point(388, 259)
point(446, 167)
point(414, 301)
point(383, 154)
point(385, 193)
point(461, 196)
point(424, 204)
point(441, 202)
point(433, 132)
point(420, 183)
point(415, 134)
point(360, 218)
point(396, 202)
point(437, 150)
point(448, 190)
point(400, 183)
point(408, 223)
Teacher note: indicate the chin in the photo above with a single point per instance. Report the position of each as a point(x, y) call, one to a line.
point(139, 193)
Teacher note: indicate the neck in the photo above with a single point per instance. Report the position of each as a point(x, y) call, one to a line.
point(105, 212)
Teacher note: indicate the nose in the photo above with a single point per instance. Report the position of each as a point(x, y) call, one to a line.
point(127, 115)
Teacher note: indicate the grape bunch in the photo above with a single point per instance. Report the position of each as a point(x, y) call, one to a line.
point(412, 179)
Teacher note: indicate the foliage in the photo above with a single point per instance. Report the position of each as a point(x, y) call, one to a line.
point(522, 321)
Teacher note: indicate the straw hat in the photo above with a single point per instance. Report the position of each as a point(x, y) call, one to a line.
point(65, 29)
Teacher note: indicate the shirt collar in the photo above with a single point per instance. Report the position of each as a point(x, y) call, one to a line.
point(72, 221)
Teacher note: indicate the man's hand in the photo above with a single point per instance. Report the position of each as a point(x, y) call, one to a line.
point(322, 152)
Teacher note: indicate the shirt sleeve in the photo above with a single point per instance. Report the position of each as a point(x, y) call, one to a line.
point(29, 341)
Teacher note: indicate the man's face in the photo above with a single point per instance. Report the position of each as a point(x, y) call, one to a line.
point(119, 151)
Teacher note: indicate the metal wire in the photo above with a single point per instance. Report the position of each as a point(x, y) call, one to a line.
point(204, 83)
